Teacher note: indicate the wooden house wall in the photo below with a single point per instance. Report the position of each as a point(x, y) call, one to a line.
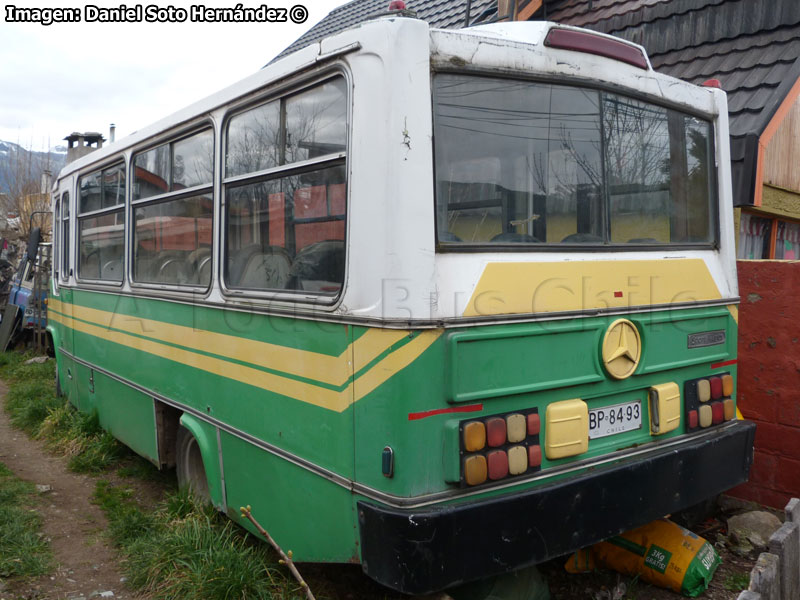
point(782, 156)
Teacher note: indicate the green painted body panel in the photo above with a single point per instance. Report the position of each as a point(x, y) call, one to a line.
point(304, 512)
point(127, 413)
point(382, 418)
point(491, 369)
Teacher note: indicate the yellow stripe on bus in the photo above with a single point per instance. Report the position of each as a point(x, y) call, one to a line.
point(523, 288)
point(332, 370)
point(305, 392)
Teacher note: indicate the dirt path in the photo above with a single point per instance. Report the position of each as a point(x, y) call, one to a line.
point(85, 564)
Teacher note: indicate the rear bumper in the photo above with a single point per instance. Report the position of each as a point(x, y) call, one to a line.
point(424, 550)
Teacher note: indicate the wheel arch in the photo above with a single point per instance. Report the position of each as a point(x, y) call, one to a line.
point(205, 435)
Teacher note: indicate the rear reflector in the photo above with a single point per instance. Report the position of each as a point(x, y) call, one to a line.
point(474, 436)
point(583, 41)
point(708, 401)
point(703, 390)
point(729, 409)
point(498, 464)
point(706, 416)
point(727, 385)
point(717, 413)
point(716, 388)
point(475, 469)
point(517, 460)
point(534, 424)
point(496, 432)
point(517, 428)
point(494, 447)
point(534, 456)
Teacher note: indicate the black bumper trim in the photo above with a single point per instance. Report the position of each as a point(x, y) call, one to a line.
point(421, 551)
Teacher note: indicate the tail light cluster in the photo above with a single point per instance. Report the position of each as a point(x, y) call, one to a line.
point(499, 446)
point(708, 401)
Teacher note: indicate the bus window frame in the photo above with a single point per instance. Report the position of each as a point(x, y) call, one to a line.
point(65, 241)
point(600, 87)
point(55, 263)
point(75, 237)
point(286, 297)
point(170, 138)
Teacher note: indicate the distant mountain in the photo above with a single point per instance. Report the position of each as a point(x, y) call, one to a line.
point(17, 161)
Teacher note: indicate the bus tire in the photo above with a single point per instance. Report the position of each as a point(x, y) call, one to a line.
point(189, 467)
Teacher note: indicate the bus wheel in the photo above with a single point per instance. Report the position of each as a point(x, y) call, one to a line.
point(189, 466)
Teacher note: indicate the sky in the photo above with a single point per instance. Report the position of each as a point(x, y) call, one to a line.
point(83, 76)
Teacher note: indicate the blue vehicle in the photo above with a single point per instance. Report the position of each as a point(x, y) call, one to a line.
point(27, 295)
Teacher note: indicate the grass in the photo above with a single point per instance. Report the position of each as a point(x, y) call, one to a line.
point(186, 550)
point(180, 550)
point(33, 407)
point(23, 551)
point(737, 581)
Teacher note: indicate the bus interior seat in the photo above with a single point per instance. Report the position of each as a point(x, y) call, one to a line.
point(172, 270)
point(268, 269)
point(90, 266)
point(197, 255)
point(237, 261)
point(194, 263)
point(448, 236)
point(204, 271)
point(582, 238)
point(112, 270)
point(319, 267)
point(515, 238)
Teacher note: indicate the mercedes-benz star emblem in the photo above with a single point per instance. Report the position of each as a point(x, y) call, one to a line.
point(622, 349)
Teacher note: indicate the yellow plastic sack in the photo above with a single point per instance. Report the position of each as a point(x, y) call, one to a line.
point(661, 553)
point(580, 562)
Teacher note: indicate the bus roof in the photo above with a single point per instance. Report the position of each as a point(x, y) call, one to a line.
point(515, 34)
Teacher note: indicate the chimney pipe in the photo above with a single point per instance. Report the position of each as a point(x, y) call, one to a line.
point(47, 178)
point(111, 131)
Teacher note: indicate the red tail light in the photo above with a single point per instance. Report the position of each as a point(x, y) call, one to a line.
point(583, 41)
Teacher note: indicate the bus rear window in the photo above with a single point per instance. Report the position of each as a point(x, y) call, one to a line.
point(527, 163)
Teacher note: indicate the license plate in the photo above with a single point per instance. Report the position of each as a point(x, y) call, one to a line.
point(610, 420)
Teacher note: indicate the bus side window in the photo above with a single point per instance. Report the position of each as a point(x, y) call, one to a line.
point(288, 232)
point(172, 234)
point(101, 224)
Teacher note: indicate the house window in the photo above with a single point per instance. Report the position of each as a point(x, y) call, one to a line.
point(787, 240)
point(768, 238)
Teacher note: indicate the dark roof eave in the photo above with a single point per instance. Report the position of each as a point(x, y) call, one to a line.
point(781, 92)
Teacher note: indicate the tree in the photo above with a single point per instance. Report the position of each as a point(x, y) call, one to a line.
point(22, 173)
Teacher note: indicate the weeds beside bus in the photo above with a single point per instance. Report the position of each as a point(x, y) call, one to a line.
point(442, 303)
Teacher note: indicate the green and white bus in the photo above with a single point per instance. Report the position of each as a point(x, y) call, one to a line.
point(442, 303)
